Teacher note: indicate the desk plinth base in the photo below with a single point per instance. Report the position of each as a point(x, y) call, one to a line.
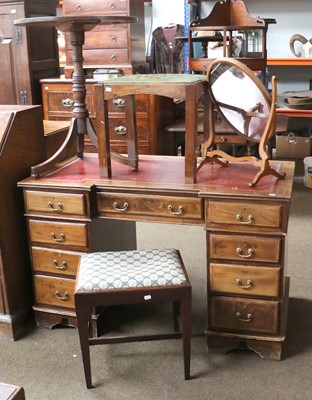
point(267, 349)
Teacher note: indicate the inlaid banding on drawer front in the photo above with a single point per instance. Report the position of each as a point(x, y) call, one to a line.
point(54, 291)
point(232, 314)
point(245, 248)
point(55, 261)
point(170, 207)
point(55, 203)
point(58, 233)
point(244, 280)
point(246, 215)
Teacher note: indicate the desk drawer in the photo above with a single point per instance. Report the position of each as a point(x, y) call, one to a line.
point(55, 203)
point(177, 208)
point(245, 248)
point(244, 280)
point(52, 261)
point(59, 234)
point(54, 291)
point(239, 314)
point(244, 216)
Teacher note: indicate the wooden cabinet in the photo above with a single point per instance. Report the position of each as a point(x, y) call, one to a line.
point(120, 46)
point(154, 113)
point(247, 288)
point(26, 55)
point(21, 146)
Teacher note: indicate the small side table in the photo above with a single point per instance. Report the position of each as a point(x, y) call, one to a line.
point(183, 87)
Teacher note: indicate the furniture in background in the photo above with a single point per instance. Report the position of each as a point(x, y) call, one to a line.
point(184, 87)
point(21, 146)
point(153, 114)
point(27, 55)
point(245, 227)
point(241, 36)
point(252, 115)
point(118, 46)
point(133, 277)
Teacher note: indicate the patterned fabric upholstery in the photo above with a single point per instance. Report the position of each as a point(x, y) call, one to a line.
point(126, 269)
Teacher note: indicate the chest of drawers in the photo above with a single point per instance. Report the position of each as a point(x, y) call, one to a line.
point(153, 114)
point(118, 46)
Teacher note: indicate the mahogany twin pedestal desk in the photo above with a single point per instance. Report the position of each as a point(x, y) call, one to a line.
point(245, 232)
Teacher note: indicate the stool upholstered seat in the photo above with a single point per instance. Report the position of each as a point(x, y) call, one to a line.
point(130, 277)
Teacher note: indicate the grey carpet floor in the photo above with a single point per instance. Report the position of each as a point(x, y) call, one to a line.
point(47, 363)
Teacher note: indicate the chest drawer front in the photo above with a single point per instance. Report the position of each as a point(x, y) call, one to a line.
point(244, 248)
point(118, 128)
point(54, 291)
point(117, 104)
point(88, 7)
point(55, 203)
point(168, 207)
point(58, 233)
point(244, 280)
point(61, 99)
point(239, 314)
point(247, 215)
point(55, 261)
point(109, 39)
point(107, 56)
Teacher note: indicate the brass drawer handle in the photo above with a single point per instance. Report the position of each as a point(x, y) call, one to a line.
point(171, 210)
point(112, 6)
point(239, 317)
point(239, 252)
point(55, 209)
point(68, 102)
point(248, 286)
point(78, 7)
point(121, 209)
point(61, 238)
point(239, 218)
point(114, 58)
point(119, 103)
point(120, 130)
point(62, 267)
point(113, 39)
point(63, 297)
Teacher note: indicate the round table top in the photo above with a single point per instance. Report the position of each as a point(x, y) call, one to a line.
point(75, 23)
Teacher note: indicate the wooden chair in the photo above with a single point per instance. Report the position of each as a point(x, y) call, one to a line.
point(132, 277)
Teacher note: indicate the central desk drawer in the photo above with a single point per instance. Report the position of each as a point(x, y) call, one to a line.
point(58, 233)
point(245, 248)
point(244, 280)
point(55, 203)
point(228, 313)
point(54, 291)
point(180, 208)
